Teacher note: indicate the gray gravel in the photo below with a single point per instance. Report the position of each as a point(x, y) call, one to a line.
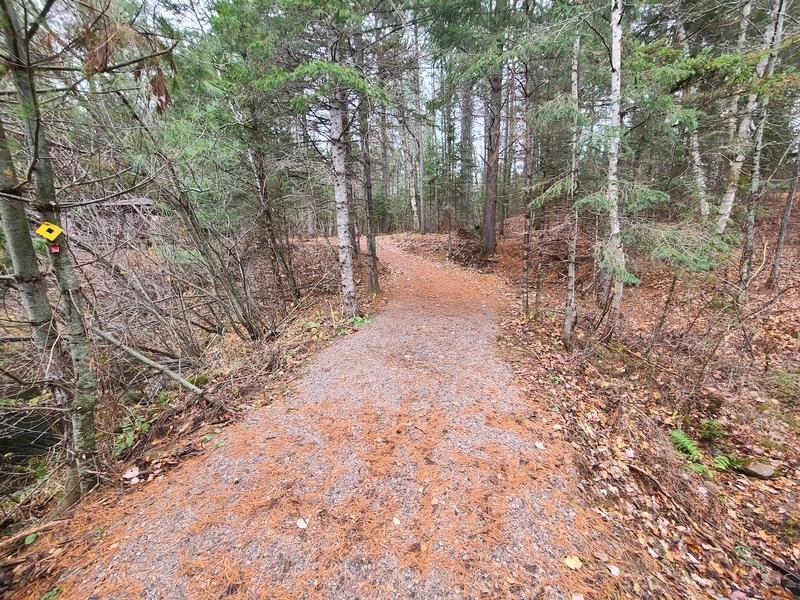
point(408, 455)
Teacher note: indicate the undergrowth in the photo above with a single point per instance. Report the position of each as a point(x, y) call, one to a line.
point(689, 449)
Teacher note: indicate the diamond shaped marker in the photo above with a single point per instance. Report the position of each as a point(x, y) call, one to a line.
point(49, 231)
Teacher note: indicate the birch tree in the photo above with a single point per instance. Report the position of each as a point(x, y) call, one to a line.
point(81, 460)
point(615, 257)
point(743, 134)
point(570, 308)
point(338, 160)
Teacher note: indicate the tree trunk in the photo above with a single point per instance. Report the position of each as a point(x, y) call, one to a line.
point(488, 231)
point(338, 156)
point(29, 280)
point(366, 168)
point(81, 451)
point(694, 143)
point(742, 139)
point(570, 308)
point(528, 191)
point(463, 212)
point(420, 137)
point(773, 37)
point(526, 262)
point(616, 254)
point(775, 271)
point(508, 148)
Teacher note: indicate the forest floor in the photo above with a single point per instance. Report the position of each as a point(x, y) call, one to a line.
point(445, 448)
point(404, 464)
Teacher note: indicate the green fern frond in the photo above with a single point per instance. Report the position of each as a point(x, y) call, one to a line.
point(701, 470)
point(726, 462)
point(686, 446)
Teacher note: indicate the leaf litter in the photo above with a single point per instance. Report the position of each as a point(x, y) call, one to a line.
point(399, 466)
point(497, 487)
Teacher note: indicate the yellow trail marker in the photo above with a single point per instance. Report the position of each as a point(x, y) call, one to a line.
point(49, 231)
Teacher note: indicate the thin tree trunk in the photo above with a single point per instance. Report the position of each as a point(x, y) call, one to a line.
point(508, 148)
point(488, 231)
point(526, 261)
point(773, 37)
point(694, 143)
point(81, 460)
point(366, 166)
point(463, 212)
point(742, 140)
point(571, 309)
point(150, 363)
point(614, 242)
point(775, 271)
point(420, 137)
point(528, 191)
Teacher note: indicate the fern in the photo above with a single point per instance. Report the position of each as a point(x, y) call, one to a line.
point(726, 462)
point(701, 470)
point(686, 446)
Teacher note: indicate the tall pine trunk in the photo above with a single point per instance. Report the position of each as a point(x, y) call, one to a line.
point(423, 227)
point(488, 231)
point(463, 212)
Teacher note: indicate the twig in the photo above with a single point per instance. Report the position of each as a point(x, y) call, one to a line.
point(150, 363)
point(11, 541)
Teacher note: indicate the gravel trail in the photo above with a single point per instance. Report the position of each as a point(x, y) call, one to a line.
point(405, 464)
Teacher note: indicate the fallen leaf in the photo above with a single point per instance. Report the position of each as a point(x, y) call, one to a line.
point(540, 446)
point(601, 556)
point(131, 473)
point(302, 523)
point(396, 521)
point(573, 562)
point(614, 570)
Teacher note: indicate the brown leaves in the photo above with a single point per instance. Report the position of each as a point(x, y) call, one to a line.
point(158, 90)
point(100, 47)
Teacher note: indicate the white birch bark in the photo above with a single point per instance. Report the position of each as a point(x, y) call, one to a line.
point(615, 249)
point(744, 135)
point(772, 37)
point(338, 156)
point(694, 144)
point(81, 459)
point(571, 309)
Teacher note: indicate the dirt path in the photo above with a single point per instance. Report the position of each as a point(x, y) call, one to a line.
point(406, 464)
